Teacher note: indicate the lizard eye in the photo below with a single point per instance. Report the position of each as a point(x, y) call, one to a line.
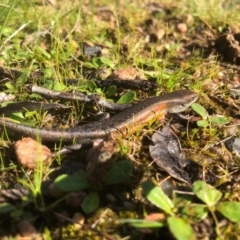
point(182, 106)
point(194, 98)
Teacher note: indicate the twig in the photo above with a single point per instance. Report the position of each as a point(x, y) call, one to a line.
point(79, 97)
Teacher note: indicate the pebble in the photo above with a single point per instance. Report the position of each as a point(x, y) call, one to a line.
point(29, 152)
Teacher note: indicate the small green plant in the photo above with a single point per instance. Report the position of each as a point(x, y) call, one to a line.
point(181, 214)
point(32, 195)
point(98, 62)
point(119, 172)
point(207, 120)
point(127, 97)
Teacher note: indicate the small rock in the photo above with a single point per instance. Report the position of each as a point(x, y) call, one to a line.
point(226, 157)
point(100, 160)
point(182, 27)
point(78, 220)
point(91, 50)
point(55, 192)
point(129, 205)
point(233, 144)
point(189, 18)
point(127, 73)
point(160, 33)
point(105, 52)
point(110, 198)
point(29, 152)
point(230, 130)
point(220, 74)
point(74, 199)
point(27, 230)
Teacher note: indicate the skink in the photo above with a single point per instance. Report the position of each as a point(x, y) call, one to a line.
point(128, 120)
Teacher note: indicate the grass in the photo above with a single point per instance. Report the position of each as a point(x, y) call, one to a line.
point(49, 37)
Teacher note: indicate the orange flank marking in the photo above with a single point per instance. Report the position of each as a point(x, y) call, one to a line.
point(147, 117)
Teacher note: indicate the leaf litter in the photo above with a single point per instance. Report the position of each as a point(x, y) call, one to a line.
point(166, 152)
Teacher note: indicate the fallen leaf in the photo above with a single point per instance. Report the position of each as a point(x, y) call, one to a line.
point(166, 153)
